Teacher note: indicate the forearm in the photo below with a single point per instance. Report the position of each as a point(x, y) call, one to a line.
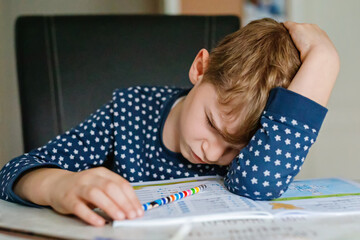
point(320, 62)
point(90, 140)
point(316, 76)
point(34, 186)
point(267, 165)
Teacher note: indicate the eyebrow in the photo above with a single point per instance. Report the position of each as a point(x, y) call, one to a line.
point(221, 133)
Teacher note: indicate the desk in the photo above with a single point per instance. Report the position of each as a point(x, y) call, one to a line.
point(15, 220)
point(47, 224)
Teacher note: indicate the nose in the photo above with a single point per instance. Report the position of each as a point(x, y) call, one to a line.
point(213, 149)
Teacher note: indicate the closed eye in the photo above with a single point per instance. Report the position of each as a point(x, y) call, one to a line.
point(209, 122)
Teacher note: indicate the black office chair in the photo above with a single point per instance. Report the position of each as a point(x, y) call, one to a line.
point(68, 66)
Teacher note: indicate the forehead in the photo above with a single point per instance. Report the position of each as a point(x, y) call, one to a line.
point(228, 118)
point(231, 120)
point(230, 112)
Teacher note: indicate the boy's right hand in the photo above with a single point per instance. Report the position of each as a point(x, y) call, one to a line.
point(79, 192)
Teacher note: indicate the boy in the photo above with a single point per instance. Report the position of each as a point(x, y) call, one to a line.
point(219, 127)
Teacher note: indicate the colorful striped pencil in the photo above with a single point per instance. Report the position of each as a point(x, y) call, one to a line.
point(174, 197)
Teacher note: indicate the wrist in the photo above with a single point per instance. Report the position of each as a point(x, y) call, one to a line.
point(51, 180)
point(35, 186)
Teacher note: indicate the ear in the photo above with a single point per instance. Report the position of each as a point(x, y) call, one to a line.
point(199, 66)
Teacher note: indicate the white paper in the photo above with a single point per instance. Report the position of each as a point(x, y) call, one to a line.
point(214, 203)
point(308, 198)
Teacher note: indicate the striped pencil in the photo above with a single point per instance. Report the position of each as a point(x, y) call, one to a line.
point(174, 197)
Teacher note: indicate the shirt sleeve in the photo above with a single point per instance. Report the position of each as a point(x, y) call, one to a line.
point(267, 165)
point(85, 146)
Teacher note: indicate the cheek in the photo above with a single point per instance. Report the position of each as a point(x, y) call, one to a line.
point(192, 126)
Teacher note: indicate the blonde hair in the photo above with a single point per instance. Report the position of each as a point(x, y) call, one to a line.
point(245, 66)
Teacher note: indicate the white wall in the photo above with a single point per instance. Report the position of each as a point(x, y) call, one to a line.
point(336, 152)
point(10, 125)
point(10, 134)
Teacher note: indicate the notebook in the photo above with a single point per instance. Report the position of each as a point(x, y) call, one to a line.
point(305, 198)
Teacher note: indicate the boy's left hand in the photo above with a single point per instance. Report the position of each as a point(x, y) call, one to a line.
point(320, 62)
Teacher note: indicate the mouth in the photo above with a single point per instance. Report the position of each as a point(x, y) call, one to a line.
point(197, 158)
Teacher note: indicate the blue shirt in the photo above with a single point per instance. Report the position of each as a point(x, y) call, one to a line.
point(128, 131)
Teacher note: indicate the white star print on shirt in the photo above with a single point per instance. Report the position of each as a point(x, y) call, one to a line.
point(138, 153)
point(276, 132)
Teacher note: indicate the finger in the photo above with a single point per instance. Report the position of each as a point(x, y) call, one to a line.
point(121, 195)
point(80, 209)
point(125, 190)
point(130, 194)
point(97, 197)
point(289, 24)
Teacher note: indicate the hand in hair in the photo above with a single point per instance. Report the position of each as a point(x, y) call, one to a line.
point(309, 37)
point(320, 62)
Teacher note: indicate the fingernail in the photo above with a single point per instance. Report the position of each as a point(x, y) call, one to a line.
point(120, 215)
point(99, 221)
point(132, 214)
point(140, 212)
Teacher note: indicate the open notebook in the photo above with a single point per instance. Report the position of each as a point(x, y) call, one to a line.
point(314, 197)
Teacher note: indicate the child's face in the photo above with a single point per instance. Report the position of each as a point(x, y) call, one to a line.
point(199, 141)
point(187, 129)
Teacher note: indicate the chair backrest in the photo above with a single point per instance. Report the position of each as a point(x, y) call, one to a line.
point(69, 65)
